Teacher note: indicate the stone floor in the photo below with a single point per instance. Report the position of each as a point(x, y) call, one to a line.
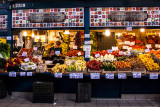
point(27, 102)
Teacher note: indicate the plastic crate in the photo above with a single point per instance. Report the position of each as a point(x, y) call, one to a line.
point(83, 92)
point(43, 92)
point(3, 91)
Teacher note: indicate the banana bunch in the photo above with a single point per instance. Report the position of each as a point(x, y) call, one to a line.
point(64, 49)
point(66, 38)
point(59, 68)
point(71, 68)
point(80, 65)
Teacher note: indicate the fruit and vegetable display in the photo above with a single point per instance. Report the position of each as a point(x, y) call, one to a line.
point(106, 57)
point(74, 53)
point(71, 68)
point(5, 51)
point(59, 68)
point(108, 66)
point(64, 49)
point(94, 45)
point(28, 66)
point(149, 62)
point(78, 41)
point(93, 65)
point(80, 65)
point(29, 52)
point(122, 64)
point(38, 52)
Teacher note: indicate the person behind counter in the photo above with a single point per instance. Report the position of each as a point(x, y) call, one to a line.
point(56, 50)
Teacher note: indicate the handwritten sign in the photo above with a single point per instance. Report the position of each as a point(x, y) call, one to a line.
point(97, 55)
point(76, 75)
point(157, 45)
point(95, 75)
point(147, 50)
point(74, 47)
point(26, 60)
point(109, 51)
point(35, 48)
point(24, 54)
point(153, 76)
point(57, 52)
point(149, 46)
point(29, 74)
point(121, 76)
point(127, 42)
point(109, 76)
point(136, 74)
point(12, 74)
point(87, 48)
point(87, 54)
point(132, 43)
point(22, 73)
point(125, 47)
point(129, 28)
point(58, 75)
point(114, 48)
point(87, 35)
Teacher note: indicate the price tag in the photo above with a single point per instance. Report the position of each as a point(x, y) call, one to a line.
point(153, 76)
point(79, 53)
point(149, 46)
point(109, 76)
point(121, 76)
point(87, 54)
point(129, 28)
point(74, 47)
point(24, 54)
point(87, 35)
point(57, 52)
point(109, 51)
point(91, 42)
point(129, 53)
point(136, 74)
point(114, 48)
point(9, 38)
point(147, 50)
point(76, 75)
point(86, 42)
point(29, 74)
point(129, 48)
point(127, 42)
point(157, 45)
point(95, 75)
point(22, 73)
point(35, 48)
point(12, 74)
point(121, 43)
point(97, 55)
point(26, 60)
point(87, 48)
point(125, 47)
point(58, 75)
point(132, 43)
point(124, 53)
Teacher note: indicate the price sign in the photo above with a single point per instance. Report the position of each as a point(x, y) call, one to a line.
point(95, 75)
point(121, 43)
point(114, 48)
point(22, 73)
point(91, 42)
point(132, 43)
point(12, 74)
point(136, 74)
point(57, 52)
point(129, 28)
point(97, 55)
point(125, 47)
point(26, 60)
point(74, 47)
point(149, 46)
point(129, 53)
point(86, 42)
point(127, 42)
point(79, 53)
point(147, 50)
point(157, 45)
point(121, 76)
point(87, 48)
point(29, 74)
point(35, 48)
point(58, 75)
point(124, 53)
point(24, 54)
point(121, 53)
point(153, 76)
point(87, 35)
point(9, 38)
point(76, 75)
point(109, 51)
point(87, 54)
point(109, 76)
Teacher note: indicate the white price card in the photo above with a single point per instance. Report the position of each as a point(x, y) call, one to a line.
point(129, 28)
point(129, 53)
point(87, 48)
point(109, 76)
point(95, 75)
point(12, 74)
point(129, 48)
point(57, 52)
point(127, 42)
point(9, 38)
point(74, 47)
point(22, 73)
point(91, 42)
point(58, 75)
point(29, 74)
point(87, 54)
point(76, 75)
point(35, 48)
point(122, 76)
point(157, 45)
point(136, 74)
point(125, 47)
point(147, 50)
point(26, 60)
point(121, 43)
point(132, 43)
point(24, 54)
point(86, 42)
point(114, 48)
point(149, 46)
point(109, 51)
point(121, 53)
point(124, 53)
point(97, 55)
point(153, 76)
point(87, 35)
point(79, 53)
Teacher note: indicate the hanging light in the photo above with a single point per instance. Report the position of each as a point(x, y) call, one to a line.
point(32, 34)
point(107, 33)
point(142, 29)
point(119, 34)
point(25, 33)
point(66, 32)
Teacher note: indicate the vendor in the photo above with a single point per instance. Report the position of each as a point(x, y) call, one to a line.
point(56, 50)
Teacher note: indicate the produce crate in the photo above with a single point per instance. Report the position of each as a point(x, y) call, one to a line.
point(124, 70)
point(142, 70)
point(41, 68)
point(83, 92)
point(3, 91)
point(103, 71)
point(153, 71)
point(95, 71)
point(43, 92)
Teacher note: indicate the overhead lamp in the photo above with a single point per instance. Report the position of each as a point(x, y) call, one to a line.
point(66, 32)
point(107, 33)
point(142, 29)
point(119, 34)
point(25, 33)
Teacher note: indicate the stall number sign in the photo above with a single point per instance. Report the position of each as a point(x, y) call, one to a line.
point(153, 76)
point(76, 75)
point(12, 74)
point(109, 51)
point(157, 45)
point(35, 48)
point(29, 74)
point(26, 59)
point(136, 74)
point(87, 35)
point(74, 47)
point(58, 75)
point(132, 43)
point(57, 52)
point(22, 74)
point(149, 46)
point(109, 76)
point(95, 75)
point(147, 50)
point(114, 48)
point(127, 42)
point(121, 76)
point(24, 54)
point(97, 55)
point(87, 47)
